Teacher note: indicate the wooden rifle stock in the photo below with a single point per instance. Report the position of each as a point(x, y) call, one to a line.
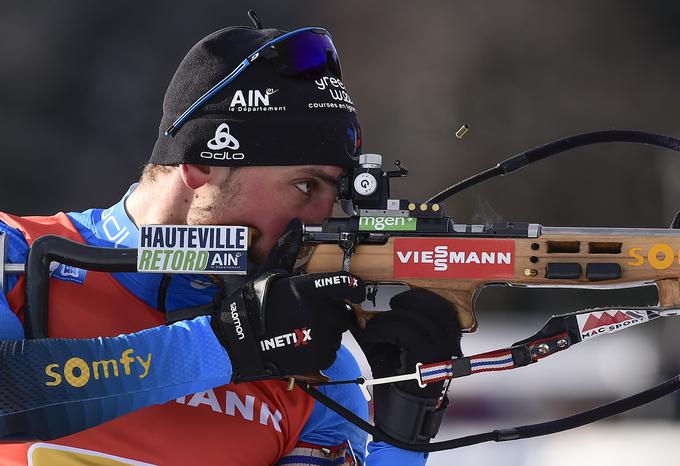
point(556, 257)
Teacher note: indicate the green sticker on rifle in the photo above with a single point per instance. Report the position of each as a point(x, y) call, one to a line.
point(387, 223)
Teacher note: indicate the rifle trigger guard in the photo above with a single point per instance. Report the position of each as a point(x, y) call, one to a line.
point(347, 242)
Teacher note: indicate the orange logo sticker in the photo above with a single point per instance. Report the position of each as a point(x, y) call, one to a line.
point(660, 256)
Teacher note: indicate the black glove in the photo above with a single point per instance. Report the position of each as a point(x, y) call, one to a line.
point(278, 324)
point(421, 327)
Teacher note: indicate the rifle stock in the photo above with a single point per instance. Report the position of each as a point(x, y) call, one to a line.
point(555, 257)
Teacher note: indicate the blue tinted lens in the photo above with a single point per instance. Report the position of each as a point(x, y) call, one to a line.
point(307, 55)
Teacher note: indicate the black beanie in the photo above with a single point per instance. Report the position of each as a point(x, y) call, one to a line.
point(261, 117)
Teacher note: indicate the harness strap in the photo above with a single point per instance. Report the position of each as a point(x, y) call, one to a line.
point(502, 435)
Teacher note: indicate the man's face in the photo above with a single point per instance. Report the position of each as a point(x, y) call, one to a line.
point(267, 198)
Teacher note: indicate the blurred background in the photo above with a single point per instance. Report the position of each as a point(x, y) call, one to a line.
point(81, 86)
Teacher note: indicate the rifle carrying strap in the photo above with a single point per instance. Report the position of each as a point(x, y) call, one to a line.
point(559, 333)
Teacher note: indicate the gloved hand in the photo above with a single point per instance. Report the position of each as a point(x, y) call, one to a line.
point(278, 324)
point(421, 327)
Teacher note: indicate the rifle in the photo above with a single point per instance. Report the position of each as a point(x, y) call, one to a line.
point(397, 244)
point(393, 240)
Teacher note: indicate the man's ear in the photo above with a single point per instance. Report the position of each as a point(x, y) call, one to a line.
point(194, 176)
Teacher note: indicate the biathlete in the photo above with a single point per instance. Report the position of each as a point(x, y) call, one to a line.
point(257, 127)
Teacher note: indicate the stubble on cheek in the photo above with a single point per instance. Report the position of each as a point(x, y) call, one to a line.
point(257, 252)
point(211, 207)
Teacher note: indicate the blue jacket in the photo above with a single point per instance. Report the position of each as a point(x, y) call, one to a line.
point(113, 228)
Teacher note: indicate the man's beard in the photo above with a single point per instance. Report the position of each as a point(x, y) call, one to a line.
point(255, 251)
point(211, 209)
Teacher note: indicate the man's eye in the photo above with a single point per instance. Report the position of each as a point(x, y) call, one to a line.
point(305, 186)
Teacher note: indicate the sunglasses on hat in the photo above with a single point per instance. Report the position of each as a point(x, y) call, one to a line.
point(304, 53)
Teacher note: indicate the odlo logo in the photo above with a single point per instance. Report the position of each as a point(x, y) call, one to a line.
point(223, 140)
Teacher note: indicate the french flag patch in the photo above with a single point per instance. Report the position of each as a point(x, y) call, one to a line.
point(436, 372)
